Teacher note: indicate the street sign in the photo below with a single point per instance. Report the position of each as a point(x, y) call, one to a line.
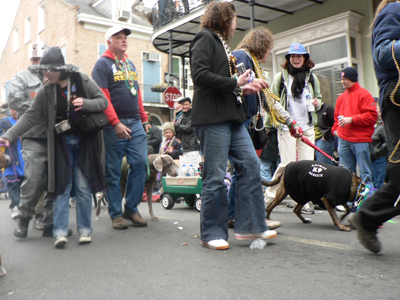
point(170, 94)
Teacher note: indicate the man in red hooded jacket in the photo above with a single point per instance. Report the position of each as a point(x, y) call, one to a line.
point(124, 135)
point(355, 116)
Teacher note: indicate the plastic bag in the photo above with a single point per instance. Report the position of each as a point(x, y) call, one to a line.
point(258, 244)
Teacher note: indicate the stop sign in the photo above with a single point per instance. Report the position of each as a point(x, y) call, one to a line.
point(170, 94)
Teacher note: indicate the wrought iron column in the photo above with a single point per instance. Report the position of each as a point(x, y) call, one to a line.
point(251, 5)
point(183, 75)
point(170, 52)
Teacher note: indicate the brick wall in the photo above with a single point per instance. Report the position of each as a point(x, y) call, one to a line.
point(62, 29)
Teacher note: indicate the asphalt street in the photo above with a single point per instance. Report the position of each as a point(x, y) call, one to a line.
point(166, 261)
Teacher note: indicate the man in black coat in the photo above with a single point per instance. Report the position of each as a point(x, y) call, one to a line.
point(183, 127)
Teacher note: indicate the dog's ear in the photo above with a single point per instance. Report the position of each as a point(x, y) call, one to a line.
point(158, 164)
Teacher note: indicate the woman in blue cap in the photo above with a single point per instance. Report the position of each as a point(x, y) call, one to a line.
point(300, 95)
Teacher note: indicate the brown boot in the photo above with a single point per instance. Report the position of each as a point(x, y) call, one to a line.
point(136, 219)
point(119, 223)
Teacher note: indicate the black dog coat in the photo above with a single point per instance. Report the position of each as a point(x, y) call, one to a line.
point(310, 180)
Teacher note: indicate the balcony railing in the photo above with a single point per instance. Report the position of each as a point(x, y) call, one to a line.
point(166, 11)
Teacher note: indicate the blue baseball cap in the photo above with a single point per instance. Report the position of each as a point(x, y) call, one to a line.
point(297, 48)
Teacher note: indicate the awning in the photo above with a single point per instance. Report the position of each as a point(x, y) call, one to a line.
point(175, 29)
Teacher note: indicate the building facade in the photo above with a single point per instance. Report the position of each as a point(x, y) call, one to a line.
point(78, 28)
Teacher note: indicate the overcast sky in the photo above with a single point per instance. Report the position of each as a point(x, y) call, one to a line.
point(8, 9)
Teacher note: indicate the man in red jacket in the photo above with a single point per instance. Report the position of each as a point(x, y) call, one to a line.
point(355, 116)
point(124, 135)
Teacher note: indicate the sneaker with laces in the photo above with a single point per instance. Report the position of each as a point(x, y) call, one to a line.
point(268, 234)
point(216, 244)
point(84, 238)
point(14, 212)
point(60, 241)
point(119, 223)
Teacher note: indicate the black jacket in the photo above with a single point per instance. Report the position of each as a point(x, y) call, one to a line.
point(213, 99)
point(378, 145)
point(154, 139)
point(184, 132)
point(326, 120)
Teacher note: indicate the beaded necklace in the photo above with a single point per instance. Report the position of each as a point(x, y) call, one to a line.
point(270, 98)
point(125, 68)
point(232, 65)
point(230, 57)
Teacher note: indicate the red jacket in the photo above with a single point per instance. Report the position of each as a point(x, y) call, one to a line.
point(358, 103)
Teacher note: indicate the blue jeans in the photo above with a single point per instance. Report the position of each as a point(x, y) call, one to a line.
point(352, 153)
point(14, 189)
point(135, 150)
point(83, 196)
point(328, 147)
point(268, 168)
point(217, 142)
point(379, 171)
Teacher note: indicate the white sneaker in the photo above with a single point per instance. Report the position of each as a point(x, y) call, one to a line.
point(216, 244)
point(84, 238)
point(269, 234)
point(61, 240)
point(72, 202)
point(14, 212)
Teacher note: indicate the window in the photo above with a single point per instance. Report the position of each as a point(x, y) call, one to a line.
point(330, 52)
point(41, 17)
point(15, 39)
point(64, 52)
point(101, 49)
point(27, 29)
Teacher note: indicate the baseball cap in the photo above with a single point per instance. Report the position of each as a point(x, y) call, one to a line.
point(182, 99)
point(113, 30)
point(297, 48)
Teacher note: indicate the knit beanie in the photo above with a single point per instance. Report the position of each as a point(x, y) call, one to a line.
point(53, 57)
point(350, 73)
point(170, 126)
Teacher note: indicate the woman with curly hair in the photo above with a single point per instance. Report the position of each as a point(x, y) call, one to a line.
point(300, 95)
point(218, 115)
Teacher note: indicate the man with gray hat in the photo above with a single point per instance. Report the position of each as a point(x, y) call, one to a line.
point(23, 88)
point(355, 116)
point(124, 135)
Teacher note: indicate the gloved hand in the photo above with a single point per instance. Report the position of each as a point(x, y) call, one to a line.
point(295, 130)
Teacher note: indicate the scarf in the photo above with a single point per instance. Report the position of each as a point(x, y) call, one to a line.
point(299, 80)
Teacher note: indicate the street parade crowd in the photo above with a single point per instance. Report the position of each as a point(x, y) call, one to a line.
point(67, 132)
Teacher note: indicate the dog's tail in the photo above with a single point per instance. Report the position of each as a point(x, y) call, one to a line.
point(273, 182)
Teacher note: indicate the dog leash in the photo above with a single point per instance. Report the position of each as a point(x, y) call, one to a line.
point(308, 142)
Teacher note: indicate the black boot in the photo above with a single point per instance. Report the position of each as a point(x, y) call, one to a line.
point(22, 227)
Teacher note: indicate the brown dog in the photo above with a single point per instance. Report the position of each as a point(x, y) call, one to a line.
point(323, 184)
point(158, 163)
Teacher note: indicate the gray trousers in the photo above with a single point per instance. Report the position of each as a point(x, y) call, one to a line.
point(34, 153)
